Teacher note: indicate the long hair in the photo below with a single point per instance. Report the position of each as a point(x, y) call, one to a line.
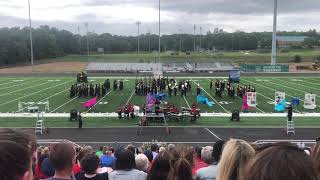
point(181, 170)
point(280, 161)
point(181, 164)
point(236, 154)
point(315, 154)
point(161, 166)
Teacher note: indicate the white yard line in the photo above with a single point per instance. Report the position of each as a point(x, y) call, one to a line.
point(299, 84)
point(7, 83)
point(268, 88)
point(24, 89)
point(186, 102)
point(290, 87)
point(33, 93)
point(213, 133)
point(272, 90)
point(212, 98)
point(18, 84)
point(241, 99)
point(130, 97)
point(99, 101)
point(63, 104)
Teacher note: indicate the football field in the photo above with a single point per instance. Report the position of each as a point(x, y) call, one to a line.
point(36, 91)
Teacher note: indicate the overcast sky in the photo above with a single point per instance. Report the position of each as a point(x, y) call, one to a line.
point(119, 16)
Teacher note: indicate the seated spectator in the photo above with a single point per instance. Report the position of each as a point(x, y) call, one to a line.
point(63, 157)
point(15, 161)
point(154, 148)
point(47, 168)
point(86, 150)
point(89, 165)
point(125, 167)
point(41, 154)
point(107, 160)
point(161, 166)
point(182, 167)
point(22, 137)
point(142, 162)
point(16, 149)
point(315, 153)
point(210, 156)
point(171, 147)
point(281, 161)
point(100, 153)
point(235, 156)
point(149, 155)
point(198, 162)
point(162, 149)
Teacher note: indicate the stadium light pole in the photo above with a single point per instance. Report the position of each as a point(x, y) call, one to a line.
point(79, 41)
point(274, 34)
point(149, 34)
point(200, 37)
point(138, 24)
point(30, 34)
point(180, 44)
point(194, 38)
point(86, 24)
point(159, 30)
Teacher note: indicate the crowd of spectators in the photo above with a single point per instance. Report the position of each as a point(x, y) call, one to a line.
point(233, 159)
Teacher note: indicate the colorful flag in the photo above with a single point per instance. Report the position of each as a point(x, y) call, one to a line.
point(90, 103)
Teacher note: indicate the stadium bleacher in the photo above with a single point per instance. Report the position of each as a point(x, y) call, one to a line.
point(94, 67)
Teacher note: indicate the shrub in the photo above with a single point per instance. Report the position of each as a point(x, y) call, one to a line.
point(297, 59)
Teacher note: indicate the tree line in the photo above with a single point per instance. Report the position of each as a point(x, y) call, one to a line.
point(50, 42)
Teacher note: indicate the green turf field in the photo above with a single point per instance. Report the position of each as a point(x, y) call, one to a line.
point(238, 57)
point(56, 89)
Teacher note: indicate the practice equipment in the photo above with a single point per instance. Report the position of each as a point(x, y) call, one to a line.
point(252, 99)
point(280, 101)
point(201, 99)
point(39, 127)
point(310, 101)
point(89, 103)
point(245, 105)
point(295, 102)
point(234, 76)
point(33, 107)
point(82, 77)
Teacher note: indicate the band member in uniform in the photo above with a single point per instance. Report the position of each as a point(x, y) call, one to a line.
point(80, 121)
point(175, 90)
point(211, 84)
point(198, 90)
point(121, 85)
point(290, 113)
point(120, 112)
point(115, 85)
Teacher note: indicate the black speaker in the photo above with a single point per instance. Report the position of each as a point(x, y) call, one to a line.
point(73, 115)
point(235, 116)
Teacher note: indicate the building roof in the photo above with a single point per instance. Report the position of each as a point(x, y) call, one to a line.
point(291, 38)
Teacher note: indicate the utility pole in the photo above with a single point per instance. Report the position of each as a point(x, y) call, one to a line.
point(274, 35)
point(138, 24)
point(159, 31)
point(180, 44)
point(200, 37)
point(86, 24)
point(194, 38)
point(30, 34)
point(79, 41)
point(149, 36)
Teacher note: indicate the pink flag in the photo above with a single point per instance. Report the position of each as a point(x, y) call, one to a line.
point(90, 103)
point(245, 105)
